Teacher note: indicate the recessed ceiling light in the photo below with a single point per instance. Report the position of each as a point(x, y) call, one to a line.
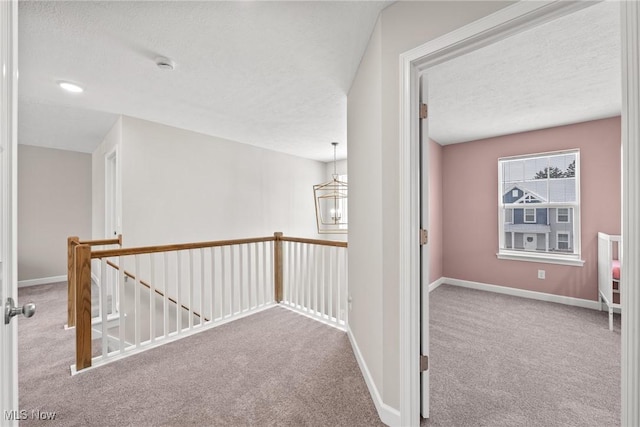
point(70, 87)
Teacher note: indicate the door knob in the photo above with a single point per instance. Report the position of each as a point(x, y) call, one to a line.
point(10, 310)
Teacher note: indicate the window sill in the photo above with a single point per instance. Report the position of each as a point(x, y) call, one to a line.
point(541, 258)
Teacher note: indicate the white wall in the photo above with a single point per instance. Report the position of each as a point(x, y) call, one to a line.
point(373, 161)
point(341, 168)
point(54, 202)
point(365, 216)
point(182, 186)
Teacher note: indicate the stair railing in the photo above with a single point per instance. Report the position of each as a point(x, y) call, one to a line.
point(72, 242)
point(172, 291)
point(315, 279)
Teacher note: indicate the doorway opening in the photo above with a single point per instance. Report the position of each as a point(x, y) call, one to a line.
point(507, 22)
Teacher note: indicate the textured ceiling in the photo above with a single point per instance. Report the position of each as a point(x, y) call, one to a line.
point(276, 74)
point(563, 72)
point(271, 74)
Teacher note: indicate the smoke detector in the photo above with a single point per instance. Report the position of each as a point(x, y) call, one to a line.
point(165, 63)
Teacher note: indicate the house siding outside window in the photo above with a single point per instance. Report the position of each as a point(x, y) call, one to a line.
point(539, 206)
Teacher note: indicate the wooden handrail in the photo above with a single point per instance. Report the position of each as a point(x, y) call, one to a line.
point(102, 242)
point(315, 241)
point(72, 242)
point(147, 285)
point(109, 253)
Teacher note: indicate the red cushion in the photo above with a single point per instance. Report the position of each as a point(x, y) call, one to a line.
point(615, 264)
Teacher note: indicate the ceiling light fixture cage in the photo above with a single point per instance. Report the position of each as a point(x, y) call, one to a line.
point(331, 203)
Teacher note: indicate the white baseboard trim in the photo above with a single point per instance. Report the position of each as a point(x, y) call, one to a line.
point(541, 296)
point(388, 415)
point(42, 281)
point(433, 285)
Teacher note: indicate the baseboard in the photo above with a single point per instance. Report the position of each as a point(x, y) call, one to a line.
point(541, 296)
point(388, 415)
point(433, 285)
point(42, 281)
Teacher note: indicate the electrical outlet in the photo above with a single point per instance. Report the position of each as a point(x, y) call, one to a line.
point(541, 274)
point(350, 301)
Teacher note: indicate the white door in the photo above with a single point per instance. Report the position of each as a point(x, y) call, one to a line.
point(8, 209)
point(424, 256)
point(530, 241)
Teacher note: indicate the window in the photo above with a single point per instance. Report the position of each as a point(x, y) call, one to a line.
point(530, 215)
point(551, 183)
point(508, 216)
point(562, 215)
point(563, 241)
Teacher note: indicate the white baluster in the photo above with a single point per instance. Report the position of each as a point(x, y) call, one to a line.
point(323, 281)
point(233, 284)
point(103, 304)
point(338, 293)
point(331, 293)
point(114, 290)
point(178, 293)
point(346, 285)
point(165, 300)
point(213, 284)
point(202, 317)
point(313, 304)
point(249, 285)
point(296, 264)
point(152, 298)
point(122, 306)
point(290, 264)
point(241, 267)
point(257, 275)
point(264, 273)
point(309, 278)
point(223, 277)
point(136, 308)
point(191, 277)
point(303, 275)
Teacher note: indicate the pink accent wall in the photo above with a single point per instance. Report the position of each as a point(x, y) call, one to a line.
point(470, 206)
point(435, 211)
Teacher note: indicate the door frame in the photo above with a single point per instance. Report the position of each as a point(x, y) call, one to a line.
point(112, 193)
point(499, 25)
point(9, 203)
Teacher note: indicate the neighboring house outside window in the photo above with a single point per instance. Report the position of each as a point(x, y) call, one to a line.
point(539, 207)
point(563, 214)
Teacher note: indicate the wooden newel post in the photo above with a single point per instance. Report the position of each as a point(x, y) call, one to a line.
point(72, 242)
point(83, 306)
point(277, 266)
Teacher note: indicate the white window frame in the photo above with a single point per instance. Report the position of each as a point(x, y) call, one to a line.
point(573, 259)
point(568, 242)
point(524, 215)
point(558, 216)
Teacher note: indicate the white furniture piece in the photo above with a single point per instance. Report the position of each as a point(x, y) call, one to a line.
point(609, 256)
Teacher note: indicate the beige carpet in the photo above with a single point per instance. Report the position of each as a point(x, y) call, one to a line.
point(271, 368)
point(498, 360)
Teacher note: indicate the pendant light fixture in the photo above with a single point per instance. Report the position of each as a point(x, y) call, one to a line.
point(331, 203)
